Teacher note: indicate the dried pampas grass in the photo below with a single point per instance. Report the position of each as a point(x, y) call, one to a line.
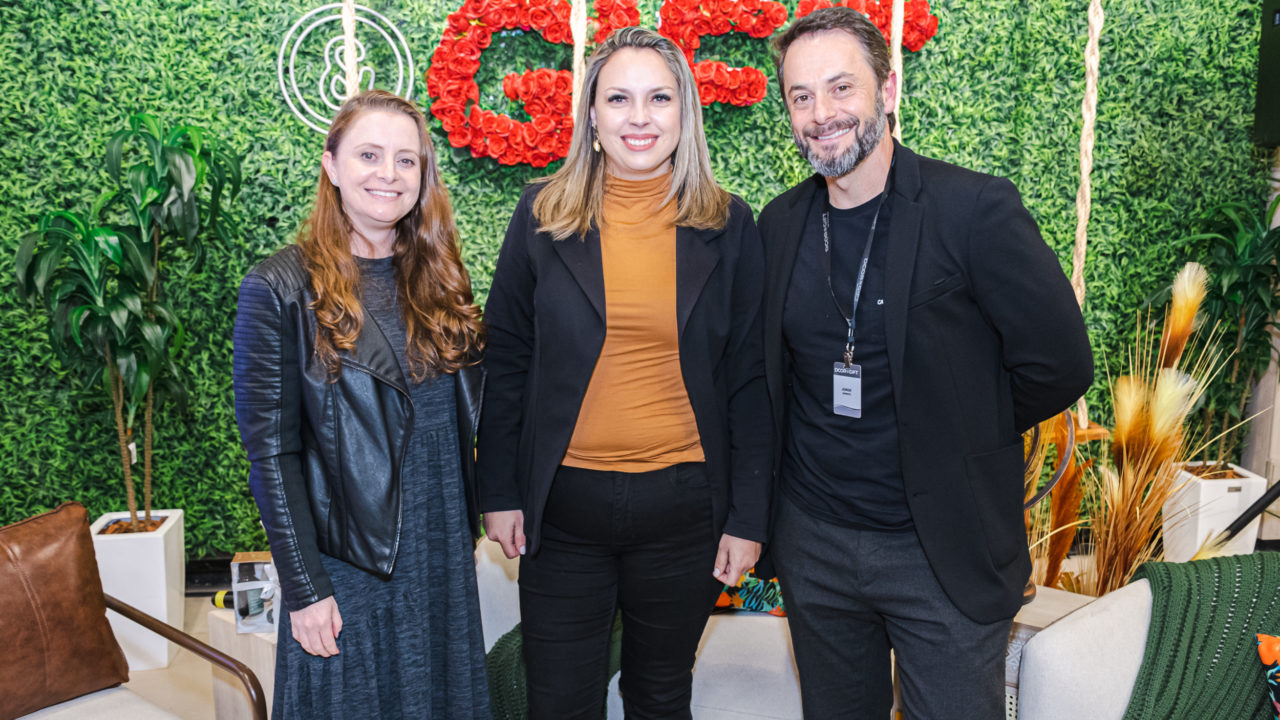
point(1129, 398)
point(1151, 403)
point(1064, 518)
point(1189, 288)
point(1051, 527)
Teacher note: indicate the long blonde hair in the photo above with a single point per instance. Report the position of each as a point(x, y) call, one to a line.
point(573, 199)
point(443, 328)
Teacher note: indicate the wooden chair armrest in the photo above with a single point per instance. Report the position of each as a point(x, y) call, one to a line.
point(204, 650)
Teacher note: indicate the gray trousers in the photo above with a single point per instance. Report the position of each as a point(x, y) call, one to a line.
point(851, 596)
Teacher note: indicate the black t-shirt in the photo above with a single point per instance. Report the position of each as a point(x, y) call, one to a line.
point(844, 470)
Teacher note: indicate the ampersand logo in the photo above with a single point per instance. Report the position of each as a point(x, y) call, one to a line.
point(312, 63)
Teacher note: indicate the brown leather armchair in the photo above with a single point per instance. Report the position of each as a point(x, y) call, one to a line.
point(61, 659)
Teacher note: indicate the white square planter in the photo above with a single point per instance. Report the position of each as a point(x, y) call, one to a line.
point(149, 572)
point(1202, 508)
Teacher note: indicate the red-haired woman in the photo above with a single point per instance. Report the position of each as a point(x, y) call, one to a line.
point(357, 396)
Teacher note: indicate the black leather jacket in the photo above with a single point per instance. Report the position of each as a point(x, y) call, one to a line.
point(325, 457)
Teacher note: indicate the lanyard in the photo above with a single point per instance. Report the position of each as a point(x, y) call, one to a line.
point(851, 318)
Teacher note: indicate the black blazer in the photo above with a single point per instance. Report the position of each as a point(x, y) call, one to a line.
point(324, 457)
point(546, 321)
point(985, 339)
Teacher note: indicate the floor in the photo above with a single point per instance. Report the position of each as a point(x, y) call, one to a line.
point(760, 656)
point(746, 673)
point(185, 688)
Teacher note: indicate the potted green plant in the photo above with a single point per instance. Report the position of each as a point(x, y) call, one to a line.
point(1244, 297)
point(99, 278)
point(1243, 300)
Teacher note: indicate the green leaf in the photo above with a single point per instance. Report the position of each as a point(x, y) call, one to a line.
point(188, 217)
point(182, 170)
point(126, 365)
point(115, 151)
point(194, 132)
point(150, 195)
point(153, 336)
point(149, 122)
point(98, 205)
point(46, 267)
point(119, 316)
point(75, 320)
point(168, 386)
point(200, 166)
point(179, 332)
point(198, 255)
point(132, 301)
point(22, 260)
point(109, 243)
point(63, 220)
point(85, 255)
point(97, 332)
point(137, 259)
point(141, 383)
point(138, 177)
point(232, 166)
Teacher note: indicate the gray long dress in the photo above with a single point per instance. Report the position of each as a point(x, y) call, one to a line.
point(411, 646)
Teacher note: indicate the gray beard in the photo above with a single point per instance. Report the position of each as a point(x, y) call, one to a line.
point(863, 144)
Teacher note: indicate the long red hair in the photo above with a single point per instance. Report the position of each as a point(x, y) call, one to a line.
point(443, 325)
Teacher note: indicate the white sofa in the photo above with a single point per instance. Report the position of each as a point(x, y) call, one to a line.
point(1083, 667)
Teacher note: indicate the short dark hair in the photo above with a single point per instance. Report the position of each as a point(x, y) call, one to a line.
point(846, 19)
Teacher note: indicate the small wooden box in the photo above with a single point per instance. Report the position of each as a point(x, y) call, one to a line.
point(255, 592)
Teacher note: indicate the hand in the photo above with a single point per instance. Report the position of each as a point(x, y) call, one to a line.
point(736, 557)
point(316, 627)
point(506, 527)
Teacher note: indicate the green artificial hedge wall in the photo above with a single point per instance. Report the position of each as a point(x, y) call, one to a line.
point(998, 89)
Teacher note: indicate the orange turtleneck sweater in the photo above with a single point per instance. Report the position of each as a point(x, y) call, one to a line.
point(636, 414)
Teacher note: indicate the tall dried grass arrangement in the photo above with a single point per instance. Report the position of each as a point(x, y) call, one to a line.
point(1189, 288)
point(1039, 531)
point(1035, 447)
point(1050, 528)
point(1064, 514)
point(1148, 443)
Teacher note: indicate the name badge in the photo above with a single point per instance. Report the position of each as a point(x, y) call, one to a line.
point(846, 390)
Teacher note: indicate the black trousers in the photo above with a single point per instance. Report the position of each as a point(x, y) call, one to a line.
point(851, 595)
point(639, 542)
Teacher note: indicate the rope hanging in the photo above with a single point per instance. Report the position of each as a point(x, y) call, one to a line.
point(349, 62)
point(895, 63)
point(578, 27)
point(1089, 109)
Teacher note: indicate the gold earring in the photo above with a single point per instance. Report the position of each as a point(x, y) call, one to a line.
point(595, 139)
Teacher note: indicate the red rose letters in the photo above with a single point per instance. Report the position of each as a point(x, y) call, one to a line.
point(547, 94)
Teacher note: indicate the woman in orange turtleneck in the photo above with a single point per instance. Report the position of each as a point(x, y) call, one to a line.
point(625, 447)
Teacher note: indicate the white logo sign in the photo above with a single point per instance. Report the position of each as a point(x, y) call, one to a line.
point(315, 88)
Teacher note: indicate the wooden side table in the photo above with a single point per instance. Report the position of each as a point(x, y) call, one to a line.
point(257, 650)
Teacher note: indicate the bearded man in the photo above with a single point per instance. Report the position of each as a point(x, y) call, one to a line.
point(916, 324)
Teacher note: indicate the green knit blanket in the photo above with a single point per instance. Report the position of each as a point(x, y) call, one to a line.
point(1201, 660)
